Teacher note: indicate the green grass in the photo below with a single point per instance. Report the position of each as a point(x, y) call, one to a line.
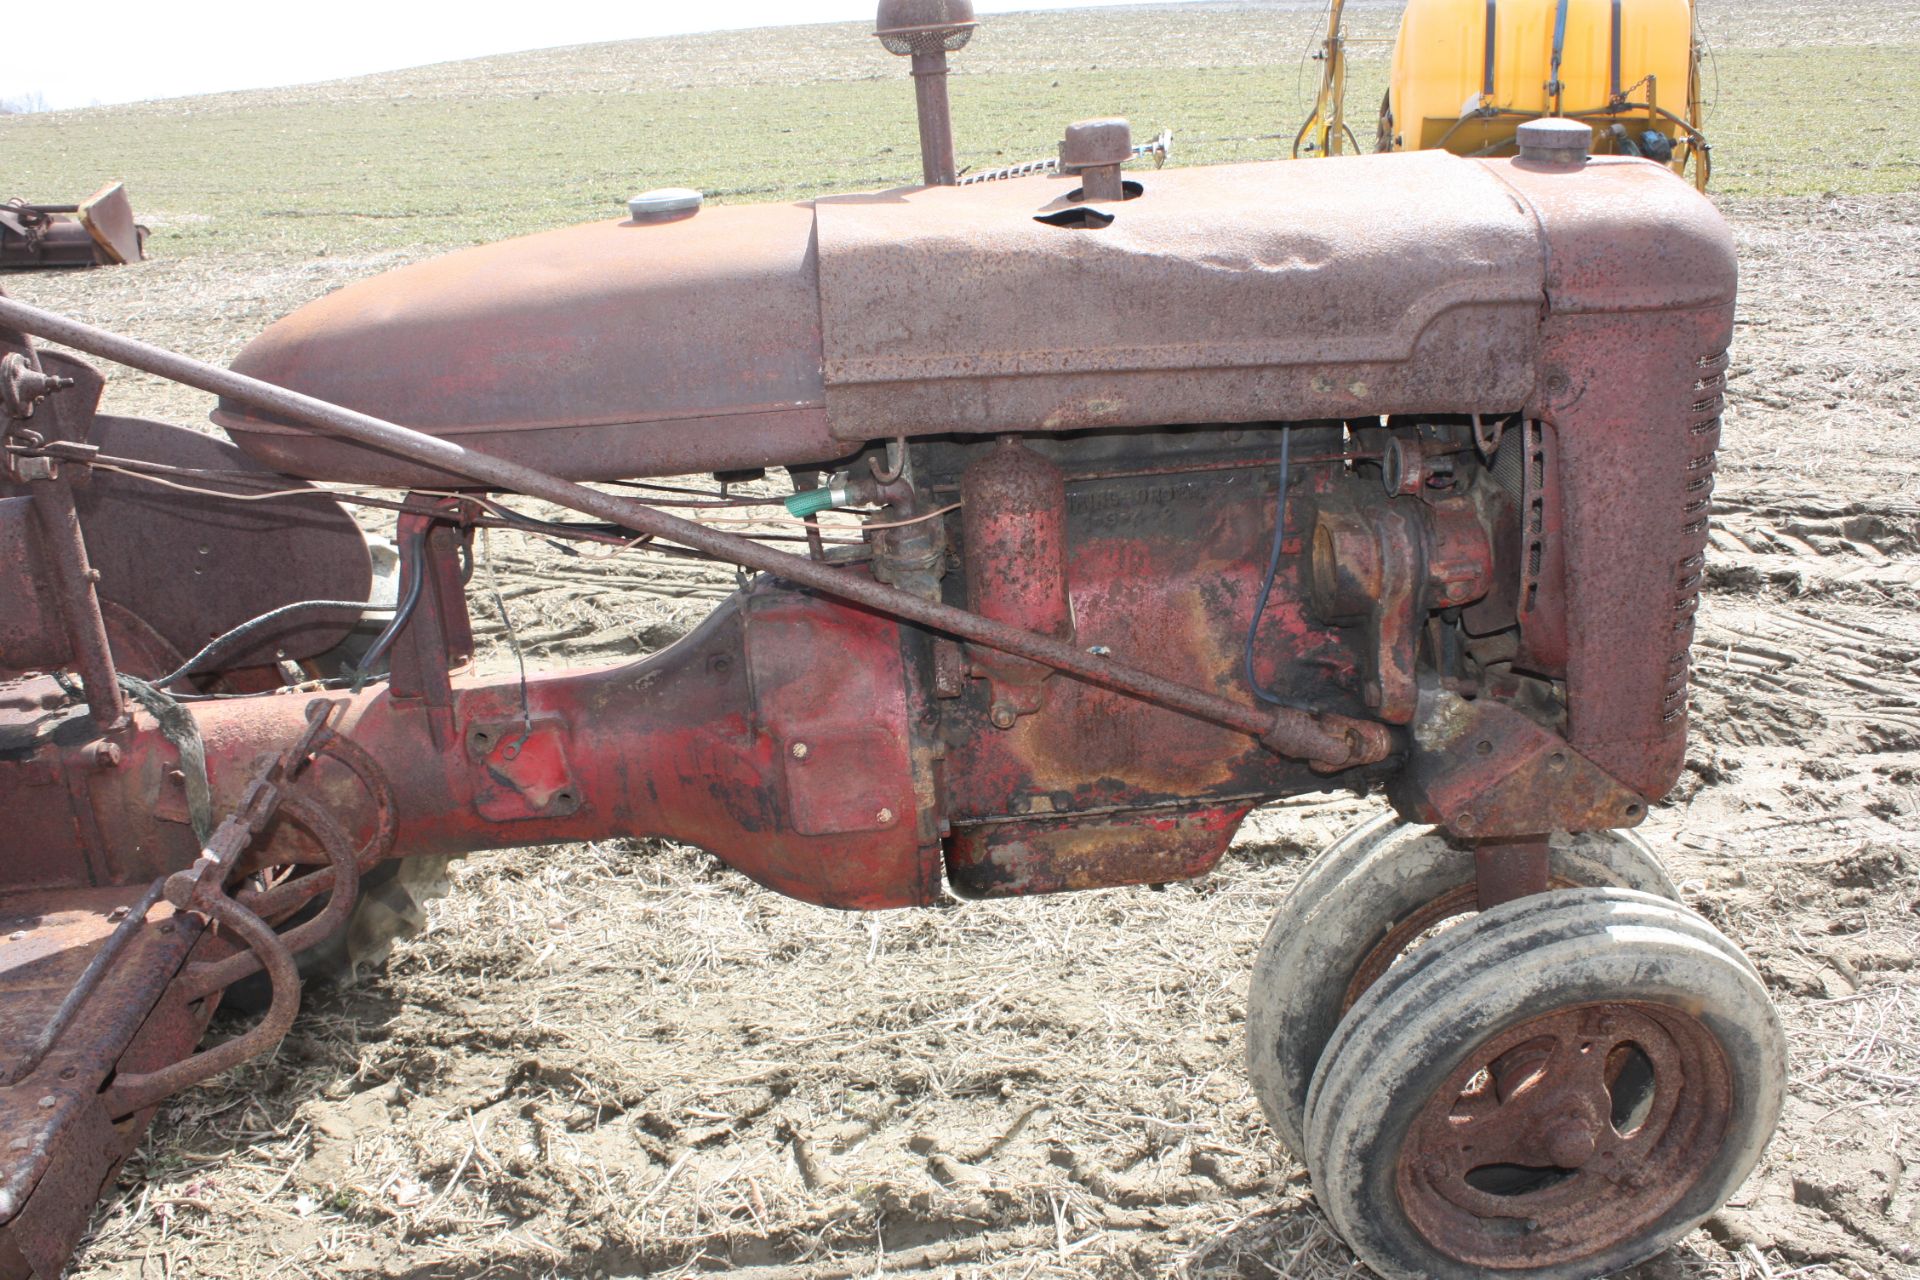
point(456, 156)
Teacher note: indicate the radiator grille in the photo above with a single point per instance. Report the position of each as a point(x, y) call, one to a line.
point(1703, 436)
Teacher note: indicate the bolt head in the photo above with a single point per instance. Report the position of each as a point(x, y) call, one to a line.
point(1570, 1143)
point(108, 755)
point(884, 817)
point(49, 1102)
point(1003, 715)
point(798, 750)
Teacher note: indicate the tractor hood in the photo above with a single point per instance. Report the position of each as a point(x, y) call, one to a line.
point(597, 352)
point(747, 336)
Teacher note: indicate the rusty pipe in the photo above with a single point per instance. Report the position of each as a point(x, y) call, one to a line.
point(203, 978)
point(130, 1093)
point(1329, 740)
point(73, 579)
point(938, 167)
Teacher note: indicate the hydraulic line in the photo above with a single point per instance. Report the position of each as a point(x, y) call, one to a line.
point(208, 659)
point(1273, 569)
point(413, 565)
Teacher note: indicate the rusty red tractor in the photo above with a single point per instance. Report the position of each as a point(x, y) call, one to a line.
point(1181, 492)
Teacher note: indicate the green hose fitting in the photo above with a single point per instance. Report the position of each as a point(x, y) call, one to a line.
point(810, 501)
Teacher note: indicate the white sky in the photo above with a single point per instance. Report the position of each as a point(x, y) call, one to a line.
point(76, 54)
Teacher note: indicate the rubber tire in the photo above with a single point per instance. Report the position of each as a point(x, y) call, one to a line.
point(1518, 961)
point(1344, 905)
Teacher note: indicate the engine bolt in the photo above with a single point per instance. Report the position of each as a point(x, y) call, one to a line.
point(107, 755)
point(49, 1102)
point(798, 750)
point(884, 817)
point(1003, 715)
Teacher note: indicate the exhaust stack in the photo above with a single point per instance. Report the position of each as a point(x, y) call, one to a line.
point(928, 30)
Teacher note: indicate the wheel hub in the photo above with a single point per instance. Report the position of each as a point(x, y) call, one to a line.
point(1566, 1133)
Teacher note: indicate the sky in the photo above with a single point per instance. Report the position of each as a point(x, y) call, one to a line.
point(108, 51)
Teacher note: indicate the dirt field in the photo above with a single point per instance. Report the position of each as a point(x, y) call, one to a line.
point(624, 1060)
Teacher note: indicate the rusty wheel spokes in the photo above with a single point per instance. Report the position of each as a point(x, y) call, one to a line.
point(1578, 1126)
point(1407, 931)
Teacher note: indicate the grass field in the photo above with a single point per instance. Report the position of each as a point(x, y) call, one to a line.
point(474, 151)
point(620, 1059)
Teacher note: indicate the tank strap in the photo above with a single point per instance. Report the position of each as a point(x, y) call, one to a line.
point(1486, 88)
point(1554, 87)
point(1616, 49)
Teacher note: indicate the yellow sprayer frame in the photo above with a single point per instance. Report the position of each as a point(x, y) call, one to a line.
point(1521, 77)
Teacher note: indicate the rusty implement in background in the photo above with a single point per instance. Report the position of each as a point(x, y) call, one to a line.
point(100, 231)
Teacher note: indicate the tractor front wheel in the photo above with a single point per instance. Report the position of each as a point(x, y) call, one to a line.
point(1359, 907)
point(1558, 1088)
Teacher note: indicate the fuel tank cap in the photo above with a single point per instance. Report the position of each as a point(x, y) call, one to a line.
point(663, 203)
point(1555, 140)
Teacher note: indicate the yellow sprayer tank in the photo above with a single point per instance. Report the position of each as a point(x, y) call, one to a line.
point(1467, 73)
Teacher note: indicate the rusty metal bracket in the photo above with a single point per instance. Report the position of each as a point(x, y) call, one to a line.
point(1484, 769)
point(522, 769)
point(83, 990)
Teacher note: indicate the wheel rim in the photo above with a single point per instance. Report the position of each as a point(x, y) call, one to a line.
point(1405, 932)
point(1566, 1134)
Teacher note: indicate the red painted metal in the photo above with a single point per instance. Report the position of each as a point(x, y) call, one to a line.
point(1157, 846)
point(1330, 740)
point(1226, 294)
point(1014, 533)
point(1633, 545)
point(595, 352)
point(695, 744)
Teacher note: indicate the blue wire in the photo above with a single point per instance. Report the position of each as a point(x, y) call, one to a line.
point(1273, 571)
